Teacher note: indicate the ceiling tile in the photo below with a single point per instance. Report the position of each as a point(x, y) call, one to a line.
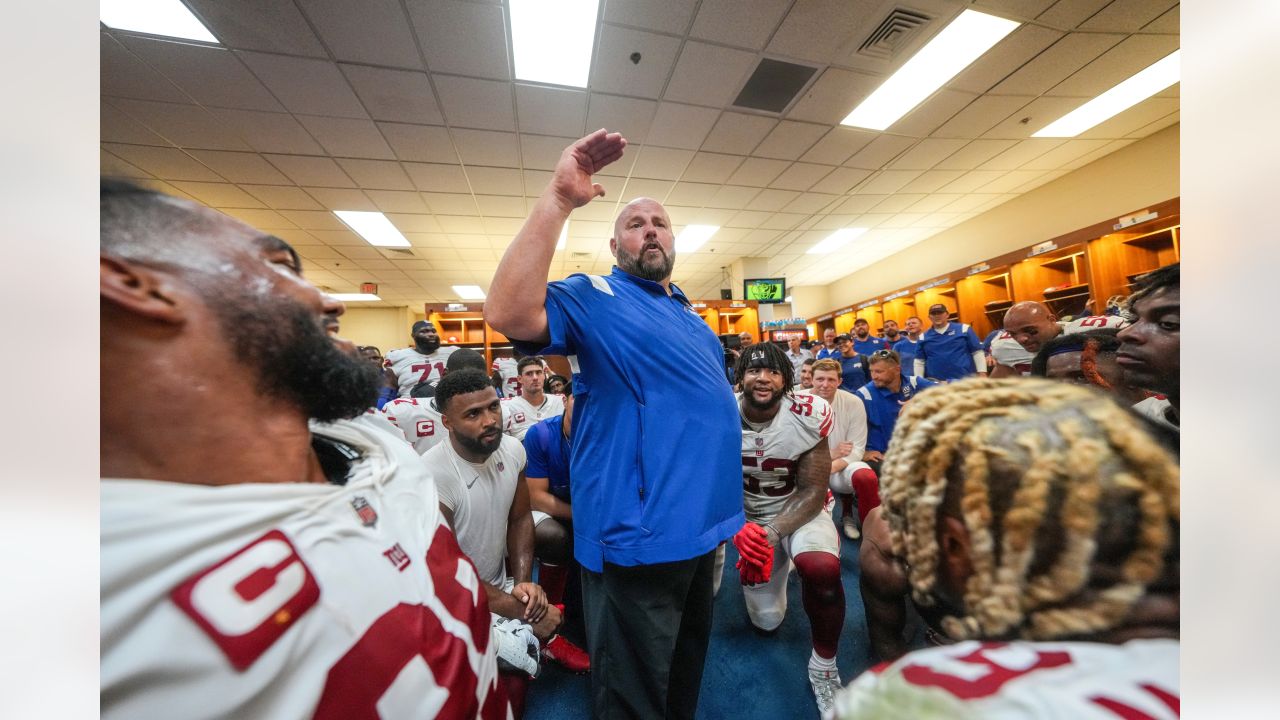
point(1169, 23)
point(164, 163)
point(1011, 181)
point(260, 219)
point(810, 202)
point(629, 116)
point(269, 132)
point(115, 126)
point(981, 115)
point(838, 145)
point(789, 140)
point(305, 85)
point(483, 104)
point(932, 203)
point(743, 23)
point(424, 143)
point(377, 174)
point(888, 181)
point(772, 200)
point(397, 201)
point(540, 152)
point(218, 194)
point(758, 172)
point(1056, 64)
point(646, 188)
point(1038, 113)
point(749, 218)
point(396, 95)
point(801, 176)
point(926, 154)
point(814, 29)
point(738, 133)
point(1011, 53)
point(877, 153)
point(495, 181)
point(681, 126)
point(314, 220)
point(669, 16)
point(268, 25)
point(660, 163)
point(183, 125)
point(484, 147)
point(371, 31)
point(407, 223)
point(1136, 117)
point(833, 96)
point(1127, 15)
point(317, 171)
point(341, 198)
point(451, 204)
point(1067, 14)
point(691, 194)
point(282, 197)
point(550, 110)
point(932, 113)
point(613, 72)
point(859, 204)
point(1126, 59)
point(709, 75)
point(240, 167)
point(970, 182)
point(462, 37)
point(841, 180)
point(735, 197)
point(122, 74)
point(111, 166)
point(710, 168)
point(975, 154)
point(1022, 153)
point(213, 76)
point(348, 137)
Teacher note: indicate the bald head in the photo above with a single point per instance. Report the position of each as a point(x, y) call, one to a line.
point(643, 241)
point(1031, 324)
point(638, 206)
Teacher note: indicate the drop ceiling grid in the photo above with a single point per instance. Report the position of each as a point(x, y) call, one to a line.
point(278, 133)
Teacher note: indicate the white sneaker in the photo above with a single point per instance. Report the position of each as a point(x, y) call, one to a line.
point(825, 683)
point(850, 527)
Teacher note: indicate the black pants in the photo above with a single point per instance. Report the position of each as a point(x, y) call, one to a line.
point(647, 631)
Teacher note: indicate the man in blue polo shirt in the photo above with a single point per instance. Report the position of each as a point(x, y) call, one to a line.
point(853, 370)
point(906, 347)
point(655, 457)
point(864, 343)
point(948, 350)
point(883, 398)
point(828, 349)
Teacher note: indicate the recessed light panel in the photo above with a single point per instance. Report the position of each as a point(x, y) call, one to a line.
point(155, 17)
point(373, 227)
point(1150, 81)
point(552, 41)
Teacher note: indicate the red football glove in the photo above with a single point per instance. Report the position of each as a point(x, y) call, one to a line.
point(756, 563)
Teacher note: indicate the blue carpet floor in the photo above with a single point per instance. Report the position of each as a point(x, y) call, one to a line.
point(747, 675)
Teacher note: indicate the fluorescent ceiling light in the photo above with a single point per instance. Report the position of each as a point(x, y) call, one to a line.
point(967, 37)
point(1155, 78)
point(552, 41)
point(835, 241)
point(693, 237)
point(355, 297)
point(564, 236)
point(469, 292)
point(156, 17)
point(374, 227)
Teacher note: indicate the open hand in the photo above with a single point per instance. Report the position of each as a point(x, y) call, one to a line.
point(571, 184)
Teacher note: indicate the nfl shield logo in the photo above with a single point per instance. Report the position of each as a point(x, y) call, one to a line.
point(366, 513)
point(501, 466)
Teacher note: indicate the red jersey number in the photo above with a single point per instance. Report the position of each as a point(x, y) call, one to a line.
point(426, 370)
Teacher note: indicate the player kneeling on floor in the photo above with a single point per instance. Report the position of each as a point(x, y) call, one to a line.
point(785, 468)
point(1041, 530)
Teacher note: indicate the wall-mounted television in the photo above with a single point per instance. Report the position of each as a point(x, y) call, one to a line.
point(765, 290)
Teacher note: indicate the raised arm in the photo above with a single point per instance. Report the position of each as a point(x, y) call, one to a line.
point(514, 306)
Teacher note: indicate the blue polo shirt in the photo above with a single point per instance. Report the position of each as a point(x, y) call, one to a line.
point(948, 355)
point(882, 405)
point(823, 353)
point(547, 450)
point(852, 376)
point(906, 349)
point(655, 456)
point(870, 345)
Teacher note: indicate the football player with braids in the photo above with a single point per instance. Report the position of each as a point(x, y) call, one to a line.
point(1037, 523)
point(786, 464)
point(1150, 346)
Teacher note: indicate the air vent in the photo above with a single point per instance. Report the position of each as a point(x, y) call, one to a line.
point(773, 85)
point(581, 255)
point(893, 34)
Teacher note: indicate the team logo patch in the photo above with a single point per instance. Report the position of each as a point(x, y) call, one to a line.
point(501, 466)
point(397, 556)
point(368, 516)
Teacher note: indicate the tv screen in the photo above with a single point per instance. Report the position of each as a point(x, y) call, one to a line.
point(765, 290)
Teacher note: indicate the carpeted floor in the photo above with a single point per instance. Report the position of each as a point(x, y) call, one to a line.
point(747, 675)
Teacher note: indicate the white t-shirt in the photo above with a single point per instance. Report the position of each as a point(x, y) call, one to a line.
point(518, 414)
point(1004, 681)
point(480, 498)
point(1008, 352)
point(769, 455)
point(412, 367)
point(1155, 407)
point(419, 420)
point(850, 417)
point(291, 600)
point(506, 369)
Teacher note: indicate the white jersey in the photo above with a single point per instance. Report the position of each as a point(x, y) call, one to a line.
point(480, 498)
point(419, 420)
point(1155, 407)
point(377, 419)
point(1009, 353)
point(291, 600)
point(518, 414)
point(506, 369)
point(769, 456)
point(412, 367)
point(1003, 681)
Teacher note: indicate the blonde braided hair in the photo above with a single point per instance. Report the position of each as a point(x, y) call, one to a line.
point(1070, 504)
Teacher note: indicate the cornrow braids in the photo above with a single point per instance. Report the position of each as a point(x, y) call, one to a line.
point(1071, 505)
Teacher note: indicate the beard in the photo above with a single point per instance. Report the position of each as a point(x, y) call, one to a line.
point(774, 399)
point(293, 357)
point(479, 446)
point(654, 270)
point(426, 347)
